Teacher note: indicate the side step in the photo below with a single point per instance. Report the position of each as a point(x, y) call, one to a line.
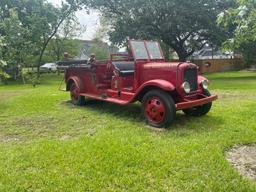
point(104, 97)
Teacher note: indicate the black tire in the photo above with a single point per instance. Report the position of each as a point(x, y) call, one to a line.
point(76, 99)
point(166, 102)
point(200, 110)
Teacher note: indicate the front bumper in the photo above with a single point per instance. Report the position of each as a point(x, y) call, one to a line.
point(197, 102)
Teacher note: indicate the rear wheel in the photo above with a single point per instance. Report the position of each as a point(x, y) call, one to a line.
point(199, 110)
point(158, 108)
point(76, 99)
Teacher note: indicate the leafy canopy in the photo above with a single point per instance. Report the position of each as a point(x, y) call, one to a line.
point(28, 26)
point(184, 25)
point(242, 21)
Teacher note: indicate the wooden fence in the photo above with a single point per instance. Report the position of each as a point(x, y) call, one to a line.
point(219, 65)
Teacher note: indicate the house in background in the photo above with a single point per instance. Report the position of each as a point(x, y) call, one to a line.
point(210, 60)
point(209, 53)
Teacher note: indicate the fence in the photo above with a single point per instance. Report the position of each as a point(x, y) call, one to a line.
point(220, 65)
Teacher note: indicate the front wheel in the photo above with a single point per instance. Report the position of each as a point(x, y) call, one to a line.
point(200, 110)
point(76, 99)
point(158, 108)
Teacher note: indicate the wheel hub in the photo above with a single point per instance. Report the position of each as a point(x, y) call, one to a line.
point(155, 110)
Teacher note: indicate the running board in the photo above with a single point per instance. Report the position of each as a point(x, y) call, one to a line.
point(108, 99)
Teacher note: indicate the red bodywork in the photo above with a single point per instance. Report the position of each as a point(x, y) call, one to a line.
point(105, 81)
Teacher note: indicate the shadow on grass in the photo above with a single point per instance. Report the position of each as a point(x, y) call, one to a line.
point(132, 113)
point(129, 112)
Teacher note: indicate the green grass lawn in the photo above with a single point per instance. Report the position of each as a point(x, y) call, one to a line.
point(46, 144)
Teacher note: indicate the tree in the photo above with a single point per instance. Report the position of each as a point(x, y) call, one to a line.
point(3, 75)
point(101, 32)
point(13, 27)
point(47, 21)
point(38, 19)
point(99, 49)
point(64, 41)
point(241, 21)
point(16, 45)
point(184, 25)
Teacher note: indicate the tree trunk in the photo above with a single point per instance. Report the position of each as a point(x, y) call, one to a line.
point(40, 60)
point(180, 49)
point(48, 39)
point(182, 54)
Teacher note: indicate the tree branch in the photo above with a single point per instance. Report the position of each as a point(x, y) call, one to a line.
point(64, 16)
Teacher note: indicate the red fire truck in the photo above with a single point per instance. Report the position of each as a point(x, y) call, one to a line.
point(145, 76)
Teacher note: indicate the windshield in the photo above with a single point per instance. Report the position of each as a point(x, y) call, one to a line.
point(139, 50)
point(154, 50)
point(146, 50)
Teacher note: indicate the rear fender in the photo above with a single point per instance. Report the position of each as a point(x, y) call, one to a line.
point(76, 80)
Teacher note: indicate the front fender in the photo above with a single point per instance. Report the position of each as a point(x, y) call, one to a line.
point(201, 78)
point(162, 84)
point(153, 84)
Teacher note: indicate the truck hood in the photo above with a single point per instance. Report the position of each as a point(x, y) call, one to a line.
point(168, 66)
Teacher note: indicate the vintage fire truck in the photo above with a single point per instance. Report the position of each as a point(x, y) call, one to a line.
point(142, 75)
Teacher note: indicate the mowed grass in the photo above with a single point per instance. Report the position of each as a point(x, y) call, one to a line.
point(46, 144)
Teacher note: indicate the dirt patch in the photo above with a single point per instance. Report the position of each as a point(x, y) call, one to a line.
point(5, 95)
point(243, 158)
point(234, 95)
point(65, 137)
point(7, 139)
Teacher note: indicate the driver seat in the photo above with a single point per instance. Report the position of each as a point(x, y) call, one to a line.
point(125, 68)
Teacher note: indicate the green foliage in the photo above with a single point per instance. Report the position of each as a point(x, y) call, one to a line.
point(3, 75)
point(242, 21)
point(101, 52)
point(28, 26)
point(64, 39)
point(102, 31)
point(185, 26)
point(16, 45)
point(30, 77)
point(56, 48)
point(247, 49)
point(47, 21)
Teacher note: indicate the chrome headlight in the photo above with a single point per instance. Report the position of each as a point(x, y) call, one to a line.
point(186, 87)
point(204, 84)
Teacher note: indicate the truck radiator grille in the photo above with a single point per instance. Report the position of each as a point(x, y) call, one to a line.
point(190, 75)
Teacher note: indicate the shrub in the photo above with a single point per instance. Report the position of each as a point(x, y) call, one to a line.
point(3, 75)
point(30, 77)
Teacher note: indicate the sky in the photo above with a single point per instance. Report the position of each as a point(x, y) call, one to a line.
point(91, 21)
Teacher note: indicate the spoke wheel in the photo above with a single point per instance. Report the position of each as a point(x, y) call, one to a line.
point(158, 108)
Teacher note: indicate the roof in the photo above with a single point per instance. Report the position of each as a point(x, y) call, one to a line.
point(209, 53)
